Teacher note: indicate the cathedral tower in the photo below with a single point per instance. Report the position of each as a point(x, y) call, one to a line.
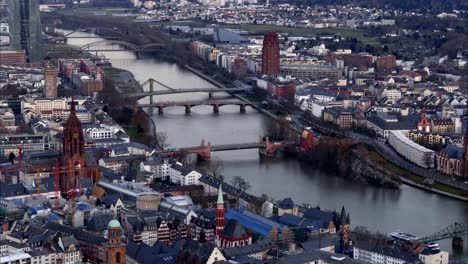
point(73, 151)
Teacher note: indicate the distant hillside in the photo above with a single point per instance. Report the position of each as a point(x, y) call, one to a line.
point(431, 5)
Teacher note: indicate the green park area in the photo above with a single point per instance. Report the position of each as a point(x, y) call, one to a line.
point(296, 31)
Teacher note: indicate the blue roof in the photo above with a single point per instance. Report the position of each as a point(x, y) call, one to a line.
point(252, 221)
point(83, 206)
point(454, 151)
point(53, 217)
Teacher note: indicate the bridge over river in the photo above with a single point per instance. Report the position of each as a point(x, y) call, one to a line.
point(203, 152)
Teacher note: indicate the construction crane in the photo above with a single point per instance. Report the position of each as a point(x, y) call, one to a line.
point(73, 193)
point(57, 169)
point(12, 139)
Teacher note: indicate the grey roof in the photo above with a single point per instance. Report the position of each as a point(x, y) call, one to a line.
point(454, 151)
point(310, 257)
point(292, 220)
point(203, 250)
point(110, 199)
point(385, 250)
point(69, 240)
point(47, 184)
point(233, 229)
point(320, 242)
point(108, 173)
point(158, 253)
point(286, 204)
point(121, 158)
point(10, 190)
point(259, 246)
point(221, 35)
point(120, 149)
point(404, 123)
point(99, 221)
point(79, 234)
point(316, 214)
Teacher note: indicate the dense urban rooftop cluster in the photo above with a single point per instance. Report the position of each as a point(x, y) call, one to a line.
point(76, 186)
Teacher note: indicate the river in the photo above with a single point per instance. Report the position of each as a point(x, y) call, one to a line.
point(408, 209)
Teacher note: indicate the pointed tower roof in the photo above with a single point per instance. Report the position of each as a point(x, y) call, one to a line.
point(220, 195)
point(72, 106)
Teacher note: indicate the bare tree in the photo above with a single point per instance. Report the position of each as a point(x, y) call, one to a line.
point(277, 129)
point(162, 140)
point(240, 183)
point(186, 158)
point(215, 168)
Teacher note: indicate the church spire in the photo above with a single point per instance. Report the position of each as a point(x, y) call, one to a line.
point(72, 106)
point(220, 195)
point(220, 221)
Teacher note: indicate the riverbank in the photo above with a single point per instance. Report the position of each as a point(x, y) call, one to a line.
point(137, 124)
point(405, 178)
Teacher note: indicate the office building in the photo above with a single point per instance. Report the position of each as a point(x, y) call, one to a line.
point(25, 27)
point(50, 77)
point(8, 57)
point(271, 54)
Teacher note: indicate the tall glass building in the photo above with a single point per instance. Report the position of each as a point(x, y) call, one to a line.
point(25, 27)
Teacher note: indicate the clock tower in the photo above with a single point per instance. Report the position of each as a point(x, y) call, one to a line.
point(74, 157)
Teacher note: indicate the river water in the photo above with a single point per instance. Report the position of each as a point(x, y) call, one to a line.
point(409, 209)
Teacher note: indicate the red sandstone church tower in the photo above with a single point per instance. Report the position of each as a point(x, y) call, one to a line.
point(220, 221)
point(74, 157)
point(271, 55)
point(115, 249)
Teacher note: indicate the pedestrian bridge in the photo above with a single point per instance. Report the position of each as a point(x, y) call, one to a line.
point(203, 152)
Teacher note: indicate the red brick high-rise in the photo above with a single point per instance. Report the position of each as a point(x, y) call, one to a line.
point(384, 63)
point(271, 55)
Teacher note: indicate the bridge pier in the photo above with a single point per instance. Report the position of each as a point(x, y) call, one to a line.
point(160, 110)
point(457, 242)
point(242, 108)
point(188, 109)
point(216, 109)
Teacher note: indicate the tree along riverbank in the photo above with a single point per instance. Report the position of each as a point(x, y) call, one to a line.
point(350, 159)
point(136, 122)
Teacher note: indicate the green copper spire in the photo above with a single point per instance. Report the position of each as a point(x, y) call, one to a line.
point(220, 195)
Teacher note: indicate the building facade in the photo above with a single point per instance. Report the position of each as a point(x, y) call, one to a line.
point(25, 27)
point(271, 54)
point(50, 77)
point(114, 248)
point(387, 62)
point(8, 57)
